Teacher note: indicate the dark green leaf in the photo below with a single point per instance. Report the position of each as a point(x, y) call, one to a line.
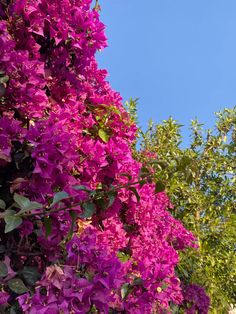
point(88, 209)
point(13, 310)
point(142, 182)
point(12, 222)
point(31, 275)
point(2, 90)
point(73, 216)
point(101, 203)
point(144, 172)
point(138, 281)
point(159, 187)
point(3, 269)
point(59, 197)
point(2, 249)
point(112, 197)
point(17, 286)
point(189, 176)
point(103, 135)
point(48, 226)
point(81, 188)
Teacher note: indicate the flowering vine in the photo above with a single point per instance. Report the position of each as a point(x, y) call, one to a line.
point(83, 230)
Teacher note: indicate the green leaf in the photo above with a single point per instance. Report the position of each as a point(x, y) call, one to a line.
point(101, 203)
point(81, 188)
point(2, 90)
point(164, 286)
point(142, 182)
point(4, 79)
point(48, 226)
point(2, 204)
point(73, 216)
point(89, 209)
point(134, 190)
point(123, 257)
point(159, 187)
point(185, 161)
point(17, 286)
point(13, 309)
point(112, 197)
point(21, 200)
point(125, 290)
point(138, 281)
point(103, 135)
point(31, 275)
point(144, 172)
point(29, 207)
point(59, 197)
point(174, 309)
point(3, 269)
point(126, 175)
point(2, 249)
point(12, 222)
point(185, 272)
point(9, 212)
point(34, 205)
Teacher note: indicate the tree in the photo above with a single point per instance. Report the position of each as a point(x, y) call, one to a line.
point(200, 182)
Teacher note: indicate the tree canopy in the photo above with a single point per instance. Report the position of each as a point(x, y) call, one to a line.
point(200, 182)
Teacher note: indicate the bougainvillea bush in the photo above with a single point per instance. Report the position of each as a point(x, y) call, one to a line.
point(83, 228)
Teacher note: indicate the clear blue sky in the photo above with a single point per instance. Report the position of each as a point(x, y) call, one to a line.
point(177, 56)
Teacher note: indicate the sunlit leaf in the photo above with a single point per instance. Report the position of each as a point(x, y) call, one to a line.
point(103, 135)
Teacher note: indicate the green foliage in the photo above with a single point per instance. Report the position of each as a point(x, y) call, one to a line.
point(30, 274)
point(11, 220)
point(17, 286)
point(131, 107)
point(103, 135)
point(3, 269)
point(59, 196)
point(88, 209)
point(200, 181)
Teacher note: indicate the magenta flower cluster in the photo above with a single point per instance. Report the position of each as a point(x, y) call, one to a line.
point(89, 278)
point(196, 299)
point(61, 125)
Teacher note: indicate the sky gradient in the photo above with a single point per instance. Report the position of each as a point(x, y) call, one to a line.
point(177, 56)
